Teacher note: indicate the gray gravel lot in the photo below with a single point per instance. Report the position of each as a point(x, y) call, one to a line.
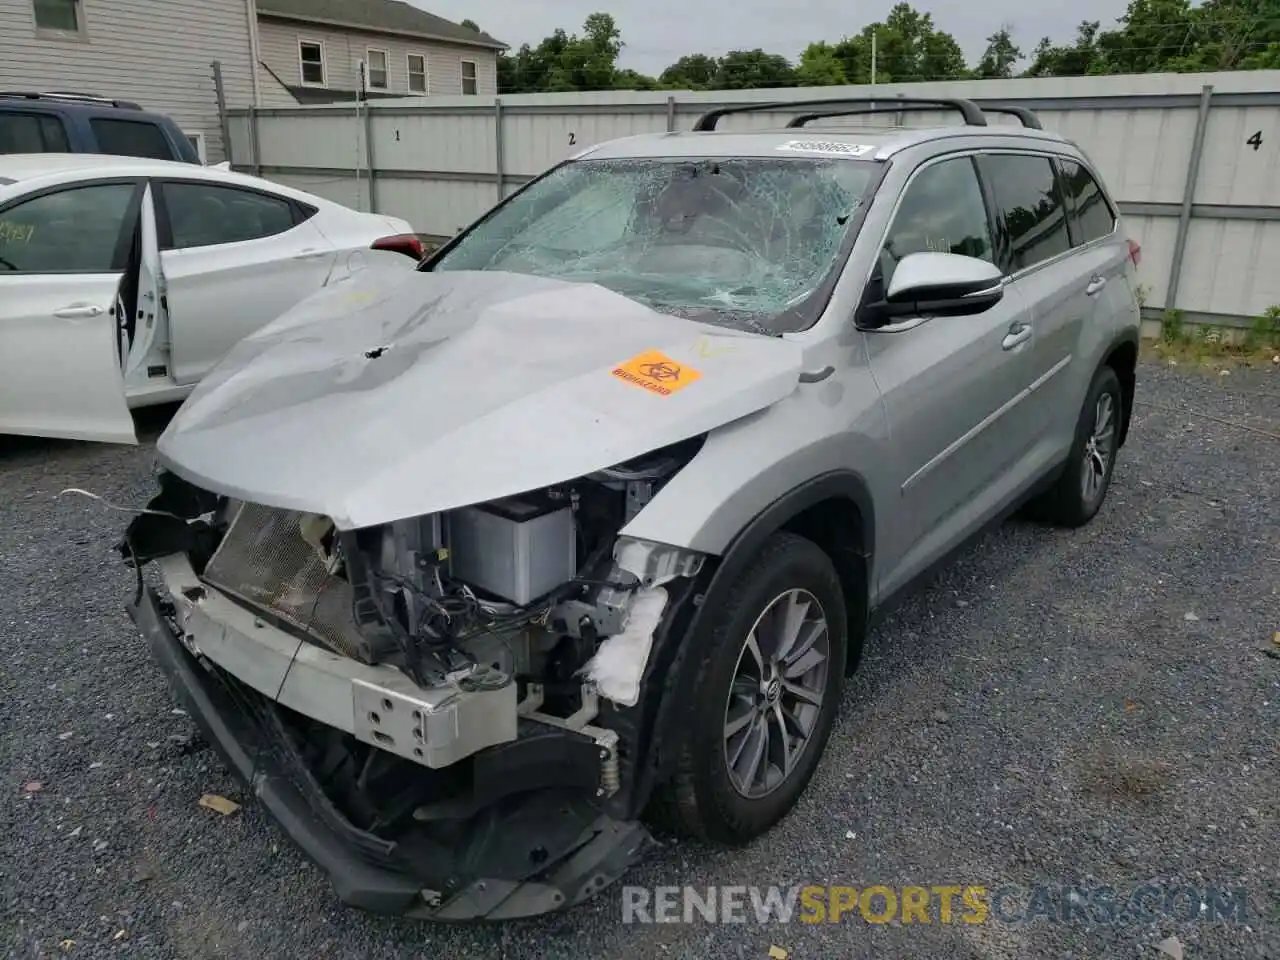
point(1085, 708)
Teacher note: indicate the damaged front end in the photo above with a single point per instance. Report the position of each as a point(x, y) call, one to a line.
point(453, 714)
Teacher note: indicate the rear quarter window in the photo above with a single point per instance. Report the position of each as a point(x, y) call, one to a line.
point(32, 133)
point(207, 214)
point(131, 138)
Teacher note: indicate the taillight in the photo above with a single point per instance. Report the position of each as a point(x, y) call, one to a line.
point(407, 243)
point(1135, 252)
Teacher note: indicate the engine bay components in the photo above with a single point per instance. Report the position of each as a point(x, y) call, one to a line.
point(459, 685)
point(518, 549)
point(532, 608)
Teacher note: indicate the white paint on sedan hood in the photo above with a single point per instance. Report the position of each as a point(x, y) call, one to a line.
point(397, 394)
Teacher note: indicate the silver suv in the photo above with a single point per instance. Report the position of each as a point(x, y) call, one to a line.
point(473, 571)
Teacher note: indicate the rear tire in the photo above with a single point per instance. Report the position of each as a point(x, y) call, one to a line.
point(1078, 493)
point(768, 681)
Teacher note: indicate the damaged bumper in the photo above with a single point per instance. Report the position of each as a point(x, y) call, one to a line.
point(498, 855)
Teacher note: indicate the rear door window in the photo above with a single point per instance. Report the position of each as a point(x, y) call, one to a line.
point(22, 132)
point(205, 214)
point(71, 231)
point(1031, 220)
point(131, 138)
point(1094, 217)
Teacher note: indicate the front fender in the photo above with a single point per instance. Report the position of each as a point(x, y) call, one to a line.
point(835, 427)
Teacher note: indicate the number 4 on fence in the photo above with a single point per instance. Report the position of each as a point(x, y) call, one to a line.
point(1255, 141)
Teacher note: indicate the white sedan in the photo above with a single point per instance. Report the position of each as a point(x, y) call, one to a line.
point(123, 281)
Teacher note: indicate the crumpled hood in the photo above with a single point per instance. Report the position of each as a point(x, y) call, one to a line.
point(397, 394)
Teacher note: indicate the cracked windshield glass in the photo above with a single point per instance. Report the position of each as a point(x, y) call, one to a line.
point(742, 242)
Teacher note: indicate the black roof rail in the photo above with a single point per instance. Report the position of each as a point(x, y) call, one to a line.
point(69, 97)
point(971, 112)
point(805, 118)
point(1028, 117)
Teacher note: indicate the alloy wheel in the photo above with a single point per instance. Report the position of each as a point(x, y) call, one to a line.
point(1099, 450)
point(777, 693)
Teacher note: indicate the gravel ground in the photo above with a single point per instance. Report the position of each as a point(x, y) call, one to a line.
point(1093, 708)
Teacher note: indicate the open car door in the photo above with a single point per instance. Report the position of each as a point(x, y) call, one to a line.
point(63, 255)
point(142, 302)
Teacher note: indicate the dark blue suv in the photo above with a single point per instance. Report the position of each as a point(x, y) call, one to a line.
point(79, 123)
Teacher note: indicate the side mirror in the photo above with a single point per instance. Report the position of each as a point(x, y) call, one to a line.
point(939, 285)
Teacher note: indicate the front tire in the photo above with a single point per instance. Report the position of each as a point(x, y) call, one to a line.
point(1077, 495)
point(769, 682)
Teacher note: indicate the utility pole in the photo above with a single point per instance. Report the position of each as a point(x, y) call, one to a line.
point(873, 59)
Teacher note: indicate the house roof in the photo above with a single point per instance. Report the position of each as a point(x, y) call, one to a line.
point(383, 16)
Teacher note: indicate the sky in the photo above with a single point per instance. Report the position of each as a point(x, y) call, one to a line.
point(658, 32)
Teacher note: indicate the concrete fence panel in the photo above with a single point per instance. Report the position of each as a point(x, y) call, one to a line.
point(1192, 159)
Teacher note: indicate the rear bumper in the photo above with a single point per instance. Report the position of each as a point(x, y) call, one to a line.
point(583, 851)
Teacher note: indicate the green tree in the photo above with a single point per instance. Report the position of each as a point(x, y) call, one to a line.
point(593, 60)
point(471, 25)
point(820, 67)
point(694, 72)
point(752, 69)
point(908, 48)
point(634, 80)
point(998, 59)
point(1157, 36)
point(562, 63)
point(1079, 59)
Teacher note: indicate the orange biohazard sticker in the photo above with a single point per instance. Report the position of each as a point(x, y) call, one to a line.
point(656, 372)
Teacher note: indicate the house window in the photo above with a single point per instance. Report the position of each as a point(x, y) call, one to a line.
point(197, 144)
point(469, 87)
point(377, 66)
point(417, 73)
point(311, 56)
point(58, 15)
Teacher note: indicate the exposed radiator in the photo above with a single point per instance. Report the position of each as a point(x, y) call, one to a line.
point(264, 561)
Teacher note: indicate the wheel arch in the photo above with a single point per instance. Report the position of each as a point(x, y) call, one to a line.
point(829, 508)
point(835, 511)
point(1122, 357)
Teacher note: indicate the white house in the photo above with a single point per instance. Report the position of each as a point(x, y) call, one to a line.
point(271, 53)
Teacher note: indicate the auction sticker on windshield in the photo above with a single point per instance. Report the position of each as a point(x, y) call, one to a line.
point(827, 146)
point(656, 372)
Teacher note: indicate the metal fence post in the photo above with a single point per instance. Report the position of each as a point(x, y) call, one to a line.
point(368, 156)
point(255, 132)
point(1188, 198)
point(498, 160)
point(671, 114)
point(223, 120)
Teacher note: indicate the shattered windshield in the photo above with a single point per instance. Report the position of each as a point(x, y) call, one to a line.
point(743, 242)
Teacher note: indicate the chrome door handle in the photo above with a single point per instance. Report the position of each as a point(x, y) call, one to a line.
point(78, 312)
point(311, 253)
point(1095, 284)
point(1018, 333)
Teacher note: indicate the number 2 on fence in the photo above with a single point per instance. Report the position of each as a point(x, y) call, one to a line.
point(1255, 141)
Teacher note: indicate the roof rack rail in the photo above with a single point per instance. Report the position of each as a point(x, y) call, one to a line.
point(69, 97)
point(1029, 119)
point(972, 113)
